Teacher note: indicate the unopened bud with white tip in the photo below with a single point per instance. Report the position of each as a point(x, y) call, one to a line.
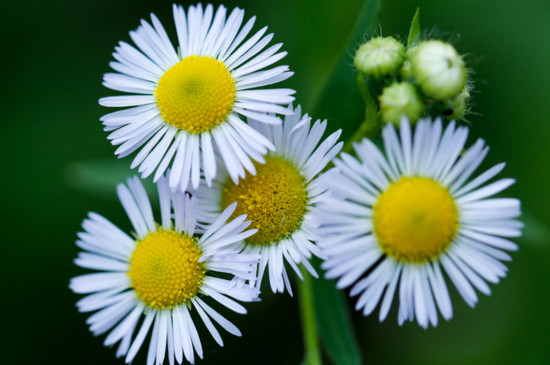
point(438, 69)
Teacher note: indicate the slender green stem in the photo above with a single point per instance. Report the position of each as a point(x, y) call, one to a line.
point(371, 124)
point(309, 327)
point(363, 131)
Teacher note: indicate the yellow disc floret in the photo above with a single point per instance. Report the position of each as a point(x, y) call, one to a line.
point(196, 94)
point(165, 270)
point(275, 200)
point(415, 219)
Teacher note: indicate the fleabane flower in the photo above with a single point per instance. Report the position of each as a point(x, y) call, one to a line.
point(280, 197)
point(163, 276)
point(395, 222)
point(185, 103)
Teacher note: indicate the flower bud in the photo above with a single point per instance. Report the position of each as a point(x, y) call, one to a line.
point(438, 69)
point(398, 100)
point(406, 67)
point(456, 108)
point(379, 56)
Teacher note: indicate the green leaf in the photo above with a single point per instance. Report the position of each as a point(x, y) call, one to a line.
point(334, 323)
point(414, 31)
point(339, 101)
point(100, 177)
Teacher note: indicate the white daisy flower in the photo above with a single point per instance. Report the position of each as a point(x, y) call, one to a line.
point(186, 103)
point(394, 223)
point(156, 280)
point(280, 196)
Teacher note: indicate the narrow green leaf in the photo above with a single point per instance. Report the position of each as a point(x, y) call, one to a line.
point(100, 177)
point(339, 101)
point(334, 324)
point(414, 31)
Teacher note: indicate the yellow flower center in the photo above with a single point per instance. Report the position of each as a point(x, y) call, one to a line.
point(275, 199)
point(165, 270)
point(415, 219)
point(196, 94)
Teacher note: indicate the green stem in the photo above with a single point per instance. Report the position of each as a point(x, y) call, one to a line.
point(371, 124)
point(309, 327)
point(359, 134)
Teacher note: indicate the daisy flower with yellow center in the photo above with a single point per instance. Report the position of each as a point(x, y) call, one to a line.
point(163, 276)
point(184, 104)
point(395, 222)
point(280, 196)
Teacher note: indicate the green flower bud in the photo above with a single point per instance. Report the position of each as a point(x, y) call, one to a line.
point(438, 69)
point(406, 67)
point(398, 100)
point(379, 56)
point(456, 108)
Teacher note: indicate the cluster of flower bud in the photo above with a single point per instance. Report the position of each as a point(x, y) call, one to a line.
point(380, 56)
point(428, 78)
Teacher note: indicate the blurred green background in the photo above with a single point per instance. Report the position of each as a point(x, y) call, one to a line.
point(53, 56)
